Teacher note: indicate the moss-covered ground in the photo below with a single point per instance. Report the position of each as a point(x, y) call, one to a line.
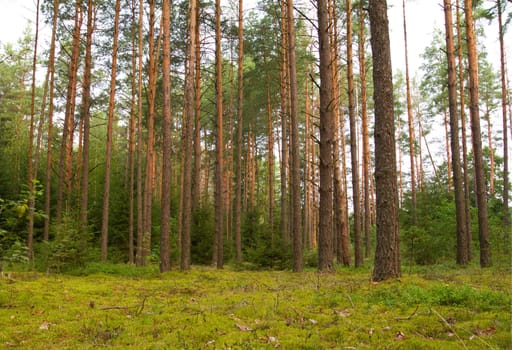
point(129, 308)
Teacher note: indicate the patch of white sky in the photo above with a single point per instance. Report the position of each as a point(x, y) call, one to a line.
point(423, 18)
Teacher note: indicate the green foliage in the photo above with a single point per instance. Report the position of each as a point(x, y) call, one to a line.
point(69, 247)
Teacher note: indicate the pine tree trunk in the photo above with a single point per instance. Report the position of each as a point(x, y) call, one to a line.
point(219, 173)
point(506, 216)
point(358, 244)
point(165, 256)
point(86, 115)
point(110, 127)
point(31, 177)
point(131, 140)
point(465, 152)
point(64, 178)
point(50, 76)
point(367, 219)
point(239, 135)
point(140, 197)
point(480, 189)
point(296, 210)
point(187, 140)
point(387, 254)
point(462, 254)
point(325, 238)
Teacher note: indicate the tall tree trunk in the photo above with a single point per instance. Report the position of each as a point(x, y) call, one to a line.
point(131, 139)
point(64, 179)
point(165, 256)
point(367, 219)
point(187, 144)
point(462, 253)
point(285, 110)
point(296, 211)
point(325, 238)
point(140, 197)
point(387, 254)
point(481, 193)
point(410, 121)
point(150, 156)
point(110, 127)
point(448, 153)
point(31, 177)
point(270, 160)
point(219, 173)
point(86, 117)
point(506, 216)
point(196, 185)
point(239, 135)
point(358, 244)
point(465, 152)
point(50, 76)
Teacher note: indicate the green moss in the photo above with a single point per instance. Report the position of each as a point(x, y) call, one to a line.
point(128, 308)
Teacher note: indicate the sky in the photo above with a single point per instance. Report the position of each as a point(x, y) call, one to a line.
point(423, 16)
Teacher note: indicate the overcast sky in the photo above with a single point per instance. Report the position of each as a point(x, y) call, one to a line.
point(423, 16)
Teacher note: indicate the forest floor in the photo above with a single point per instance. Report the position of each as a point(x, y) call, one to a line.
point(124, 307)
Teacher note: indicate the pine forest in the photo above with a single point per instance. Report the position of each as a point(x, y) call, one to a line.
point(235, 137)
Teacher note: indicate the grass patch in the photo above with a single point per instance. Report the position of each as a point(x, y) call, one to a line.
point(124, 307)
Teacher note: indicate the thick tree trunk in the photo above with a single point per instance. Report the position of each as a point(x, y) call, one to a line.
point(387, 254)
point(325, 238)
point(462, 254)
point(480, 189)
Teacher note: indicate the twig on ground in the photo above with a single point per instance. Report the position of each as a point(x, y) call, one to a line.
point(408, 317)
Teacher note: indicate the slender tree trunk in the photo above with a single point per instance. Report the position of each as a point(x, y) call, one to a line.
point(50, 77)
point(140, 197)
point(150, 156)
point(387, 254)
point(131, 140)
point(410, 121)
point(64, 179)
point(284, 94)
point(239, 135)
point(165, 255)
point(481, 193)
point(187, 144)
point(31, 177)
point(358, 244)
point(448, 153)
point(296, 210)
point(219, 173)
point(367, 220)
point(325, 238)
point(492, 165)
point(196, 185)
point(86, 115)
point(506, 216)
point(464, 134)
point(110, 126)
point(270, 160)
point(462, 254)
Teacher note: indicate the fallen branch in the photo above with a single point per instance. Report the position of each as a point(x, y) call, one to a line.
point(408, 317)
point(450, 327)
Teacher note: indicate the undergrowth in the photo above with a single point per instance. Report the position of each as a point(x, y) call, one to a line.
point(124, 307)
